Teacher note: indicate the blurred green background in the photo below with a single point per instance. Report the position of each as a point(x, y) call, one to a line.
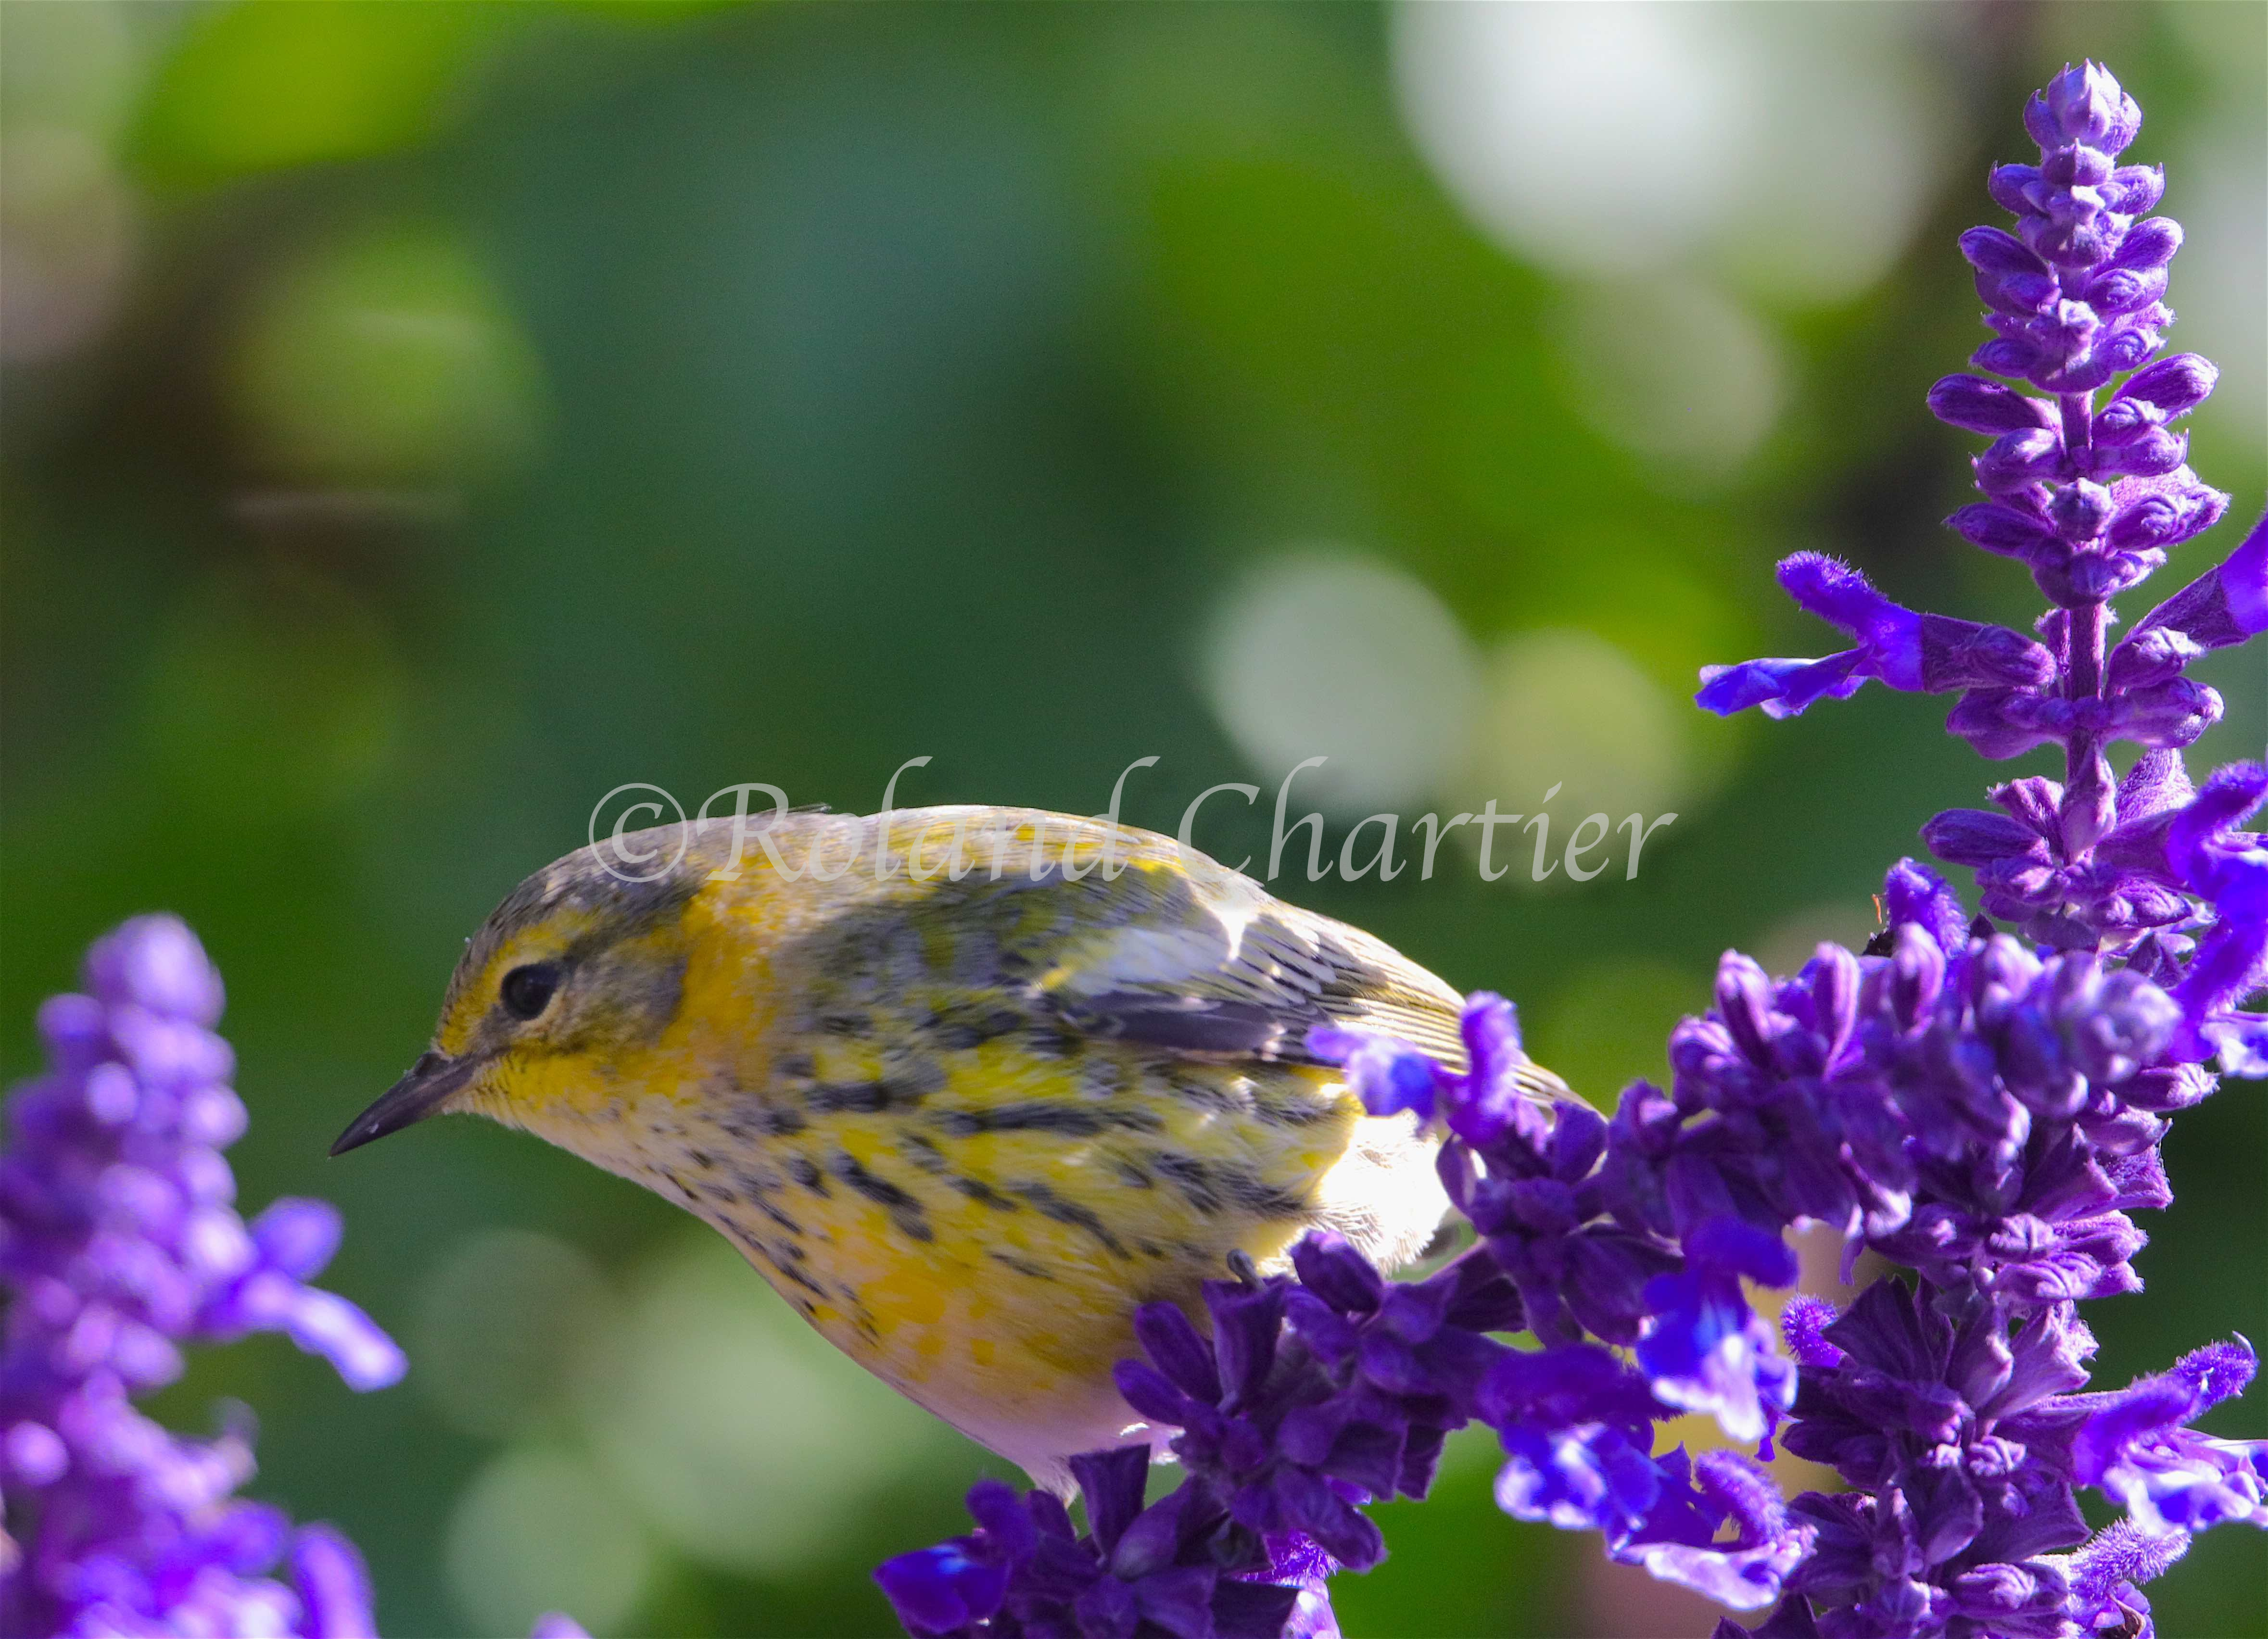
point(421, 419)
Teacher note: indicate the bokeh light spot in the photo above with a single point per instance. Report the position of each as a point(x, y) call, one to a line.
point(389, 356)
point(737, 1431)
point(500, 1325)
point(1568, 708)
point(1589, 138)
point(539, 1531)
point(1322, 653)
point(1791, 146)
point(1676, 372)
point(2224, 177)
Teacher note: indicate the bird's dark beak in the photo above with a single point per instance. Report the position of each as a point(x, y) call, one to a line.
point(429, 1083)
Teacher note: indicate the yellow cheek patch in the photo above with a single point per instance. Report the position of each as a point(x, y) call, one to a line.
point(546, 941)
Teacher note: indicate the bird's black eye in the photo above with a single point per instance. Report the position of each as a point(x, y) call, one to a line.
point(527, 990)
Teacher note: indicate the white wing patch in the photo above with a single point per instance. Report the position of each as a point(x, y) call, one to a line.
point(1146, 957)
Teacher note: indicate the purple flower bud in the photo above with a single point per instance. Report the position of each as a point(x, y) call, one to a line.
point(2021, 458)
point(2123, 420)
point(2083, 105)
point(2164, 511)
point(1977, 405)
point(2119, 293)
point(1962, 654)
point(2173, 385)
point(2150, 454)
point(2016, 189)
point(1970, 837)
point(2169, 714)
point(2139, 333)
point(35, 1457)
point(2134, 189)
point(2010, 356)
point(2080, 511)
point(1744, 1004)
point(2002, 529)
point(1995, 254)
point(2150, 243)
point(2114, 1024)
point(1151, 1392)
point(155, 962)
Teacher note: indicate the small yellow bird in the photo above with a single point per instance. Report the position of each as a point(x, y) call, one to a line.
point(965, 1084)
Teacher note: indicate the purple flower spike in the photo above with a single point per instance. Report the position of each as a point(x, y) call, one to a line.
point(1979, 1101)
point(119, 1245)
point(2091, 497)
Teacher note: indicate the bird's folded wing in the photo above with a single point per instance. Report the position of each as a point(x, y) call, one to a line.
point(1192, 958)
point(1147, 943)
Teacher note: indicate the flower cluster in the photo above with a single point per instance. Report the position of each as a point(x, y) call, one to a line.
point(1995, 1102)
point(1982, 1107)
point(1330, 1387)
point(119, 1243)
point(1171, 1566)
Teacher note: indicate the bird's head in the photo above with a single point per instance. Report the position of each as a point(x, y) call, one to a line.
point(578, 970)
